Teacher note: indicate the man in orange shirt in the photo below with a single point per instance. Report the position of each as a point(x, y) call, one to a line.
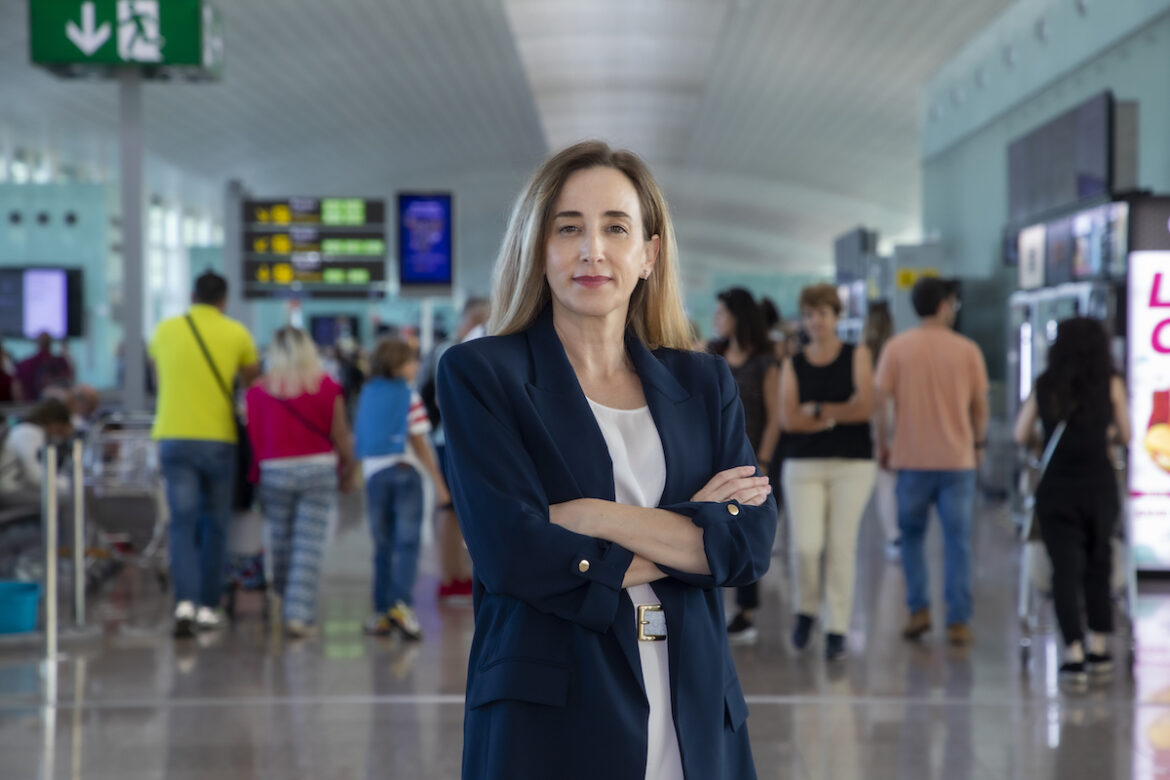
point(937, 382)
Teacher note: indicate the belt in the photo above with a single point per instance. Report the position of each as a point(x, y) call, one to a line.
point(651, 623)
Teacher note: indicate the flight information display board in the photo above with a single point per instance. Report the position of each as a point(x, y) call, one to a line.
point(314, 248)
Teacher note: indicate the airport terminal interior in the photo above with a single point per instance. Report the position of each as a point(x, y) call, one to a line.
point(203, 204)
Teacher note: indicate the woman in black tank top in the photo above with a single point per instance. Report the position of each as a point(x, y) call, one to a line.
point(826, 398)
point(1077, 500)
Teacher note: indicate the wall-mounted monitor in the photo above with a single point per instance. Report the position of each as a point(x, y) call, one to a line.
point(328, 329)
point(1066, 161)
point(36, 299)
point(426, 233)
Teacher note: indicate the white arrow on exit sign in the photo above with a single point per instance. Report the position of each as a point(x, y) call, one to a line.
point(88, 37)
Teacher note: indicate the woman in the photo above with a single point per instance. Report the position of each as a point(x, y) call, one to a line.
point(826, 398)
point(302, 448)
point(742, 340)
point(1076, 501)
point(606, 490)
point(879, 328)
point(391, 416)
point(21, 475)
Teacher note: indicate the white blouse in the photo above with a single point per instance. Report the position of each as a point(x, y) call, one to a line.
point(639, 477)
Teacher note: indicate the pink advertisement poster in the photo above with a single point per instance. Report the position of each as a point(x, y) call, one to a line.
point(1149, 388)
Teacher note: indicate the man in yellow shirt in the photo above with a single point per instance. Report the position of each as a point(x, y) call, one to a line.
point(196, 431)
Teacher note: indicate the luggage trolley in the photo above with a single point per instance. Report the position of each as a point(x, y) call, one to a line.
point(127, 500)
point(1035, 582)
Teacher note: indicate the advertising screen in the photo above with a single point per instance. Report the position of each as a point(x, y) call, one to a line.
point(1058, 253)
point(40, 300)
point(425, 240)
point(1031, 257)
point(1149, 386)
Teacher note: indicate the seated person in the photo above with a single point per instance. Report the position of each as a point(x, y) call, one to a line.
point(20, 452)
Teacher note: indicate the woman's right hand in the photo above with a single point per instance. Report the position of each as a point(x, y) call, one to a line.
point(738, 484)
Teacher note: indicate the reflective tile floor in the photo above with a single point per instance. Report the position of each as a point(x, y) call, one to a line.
point(246, 704)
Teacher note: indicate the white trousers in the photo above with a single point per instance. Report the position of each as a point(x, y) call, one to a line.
point(826, 498)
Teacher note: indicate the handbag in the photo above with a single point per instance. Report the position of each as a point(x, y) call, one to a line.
point(345, 482)
point(243, 491)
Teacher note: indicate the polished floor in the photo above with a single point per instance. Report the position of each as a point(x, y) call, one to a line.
point(247, 704)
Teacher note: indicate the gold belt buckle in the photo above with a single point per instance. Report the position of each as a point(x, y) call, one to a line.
point(651, 623)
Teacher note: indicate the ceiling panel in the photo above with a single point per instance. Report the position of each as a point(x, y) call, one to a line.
point(775, 125)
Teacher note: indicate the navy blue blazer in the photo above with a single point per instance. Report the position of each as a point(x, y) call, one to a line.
point(554, 686)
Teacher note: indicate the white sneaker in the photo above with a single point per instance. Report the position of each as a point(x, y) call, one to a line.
point(208, 619)
point(184, 627)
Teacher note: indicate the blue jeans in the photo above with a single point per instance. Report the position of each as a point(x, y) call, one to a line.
point(954, 494)
point(394, 499)
point(199, 483)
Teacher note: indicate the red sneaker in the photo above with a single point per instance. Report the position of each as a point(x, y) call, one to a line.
point(448, 589)
point(463, 588)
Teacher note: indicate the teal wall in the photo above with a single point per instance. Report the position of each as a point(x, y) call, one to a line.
point(85, 245)
point(965, 184)
point(783, 289)
point(268, 316)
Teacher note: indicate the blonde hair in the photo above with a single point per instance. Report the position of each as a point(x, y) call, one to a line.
point(293, 366)
point(519, 287)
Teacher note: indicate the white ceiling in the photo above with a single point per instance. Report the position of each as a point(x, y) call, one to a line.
point(774, 125)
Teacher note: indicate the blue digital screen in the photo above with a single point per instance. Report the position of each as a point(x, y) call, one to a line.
point(425, 239)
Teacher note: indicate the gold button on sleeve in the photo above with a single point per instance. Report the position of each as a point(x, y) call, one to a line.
point(583, 566)
point(732, 510)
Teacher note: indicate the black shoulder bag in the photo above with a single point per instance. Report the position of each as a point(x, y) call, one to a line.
point(243, 491)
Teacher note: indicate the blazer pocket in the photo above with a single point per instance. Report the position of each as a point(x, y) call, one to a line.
point(735, 708)
point(519, 679)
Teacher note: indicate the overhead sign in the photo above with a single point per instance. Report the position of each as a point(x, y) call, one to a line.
point(183, 36)
point(314, 247)
point(425, 240)
point(1149, 386)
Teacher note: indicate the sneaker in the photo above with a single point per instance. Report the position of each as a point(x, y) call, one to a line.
point(835, 647)
point(378, 625)
point(184, 627)
point(208, 619)
point(404, 619)
point(456, 590)
point(960, 635)
point(803, 630)
point(1073, 675)
point(741, 630)
point(917, 625)
point(1099, 664)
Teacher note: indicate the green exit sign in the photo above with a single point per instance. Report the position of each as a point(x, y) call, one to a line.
point(186, 35)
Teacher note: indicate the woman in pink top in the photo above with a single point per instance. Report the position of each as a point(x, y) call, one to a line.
point(301, 443)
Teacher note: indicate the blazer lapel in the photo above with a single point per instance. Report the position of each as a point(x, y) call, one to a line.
point(562, 407)
point(676, 413)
